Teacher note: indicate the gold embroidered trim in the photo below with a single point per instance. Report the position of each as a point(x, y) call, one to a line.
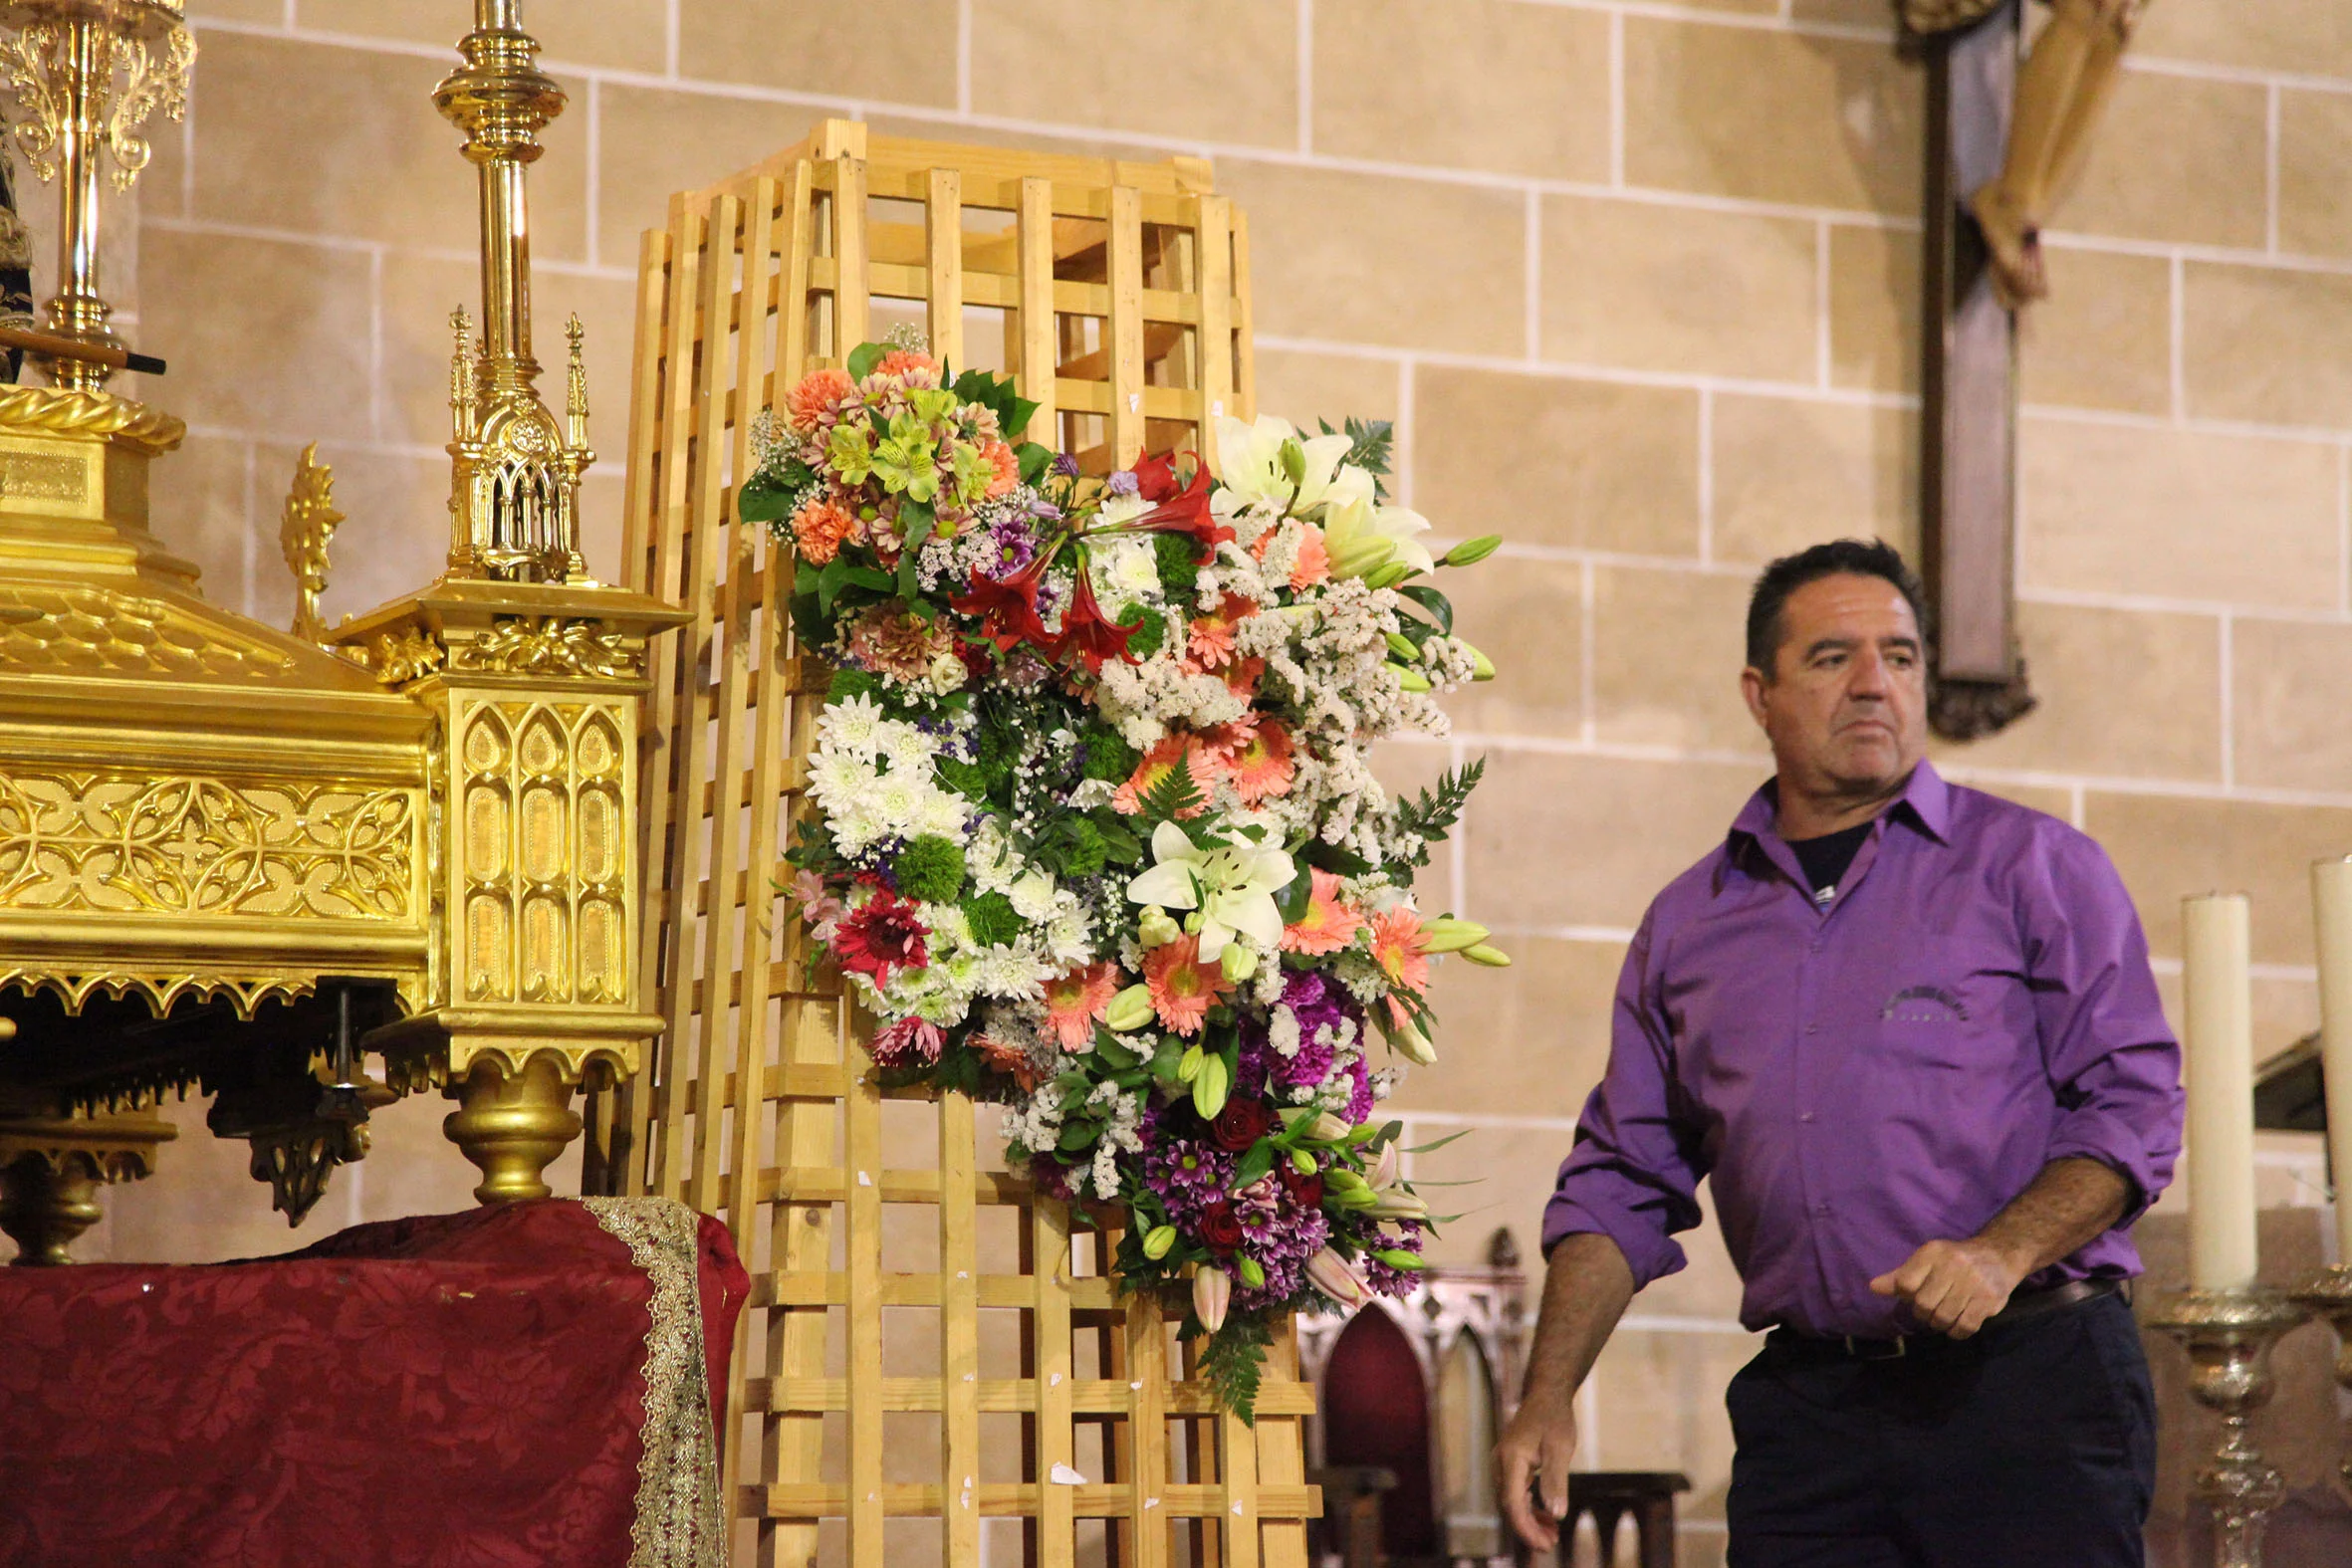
point(679, 1523)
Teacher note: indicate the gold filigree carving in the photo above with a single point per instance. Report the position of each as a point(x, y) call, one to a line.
point(145, 39)
point(131, 845)
point(63, 411)
point(304, 531)
point(152, 82)
point(679, 1523)
point(98, 631)
point(26, 59)
point(539, 820)
point(404, 654)
point(550, 645)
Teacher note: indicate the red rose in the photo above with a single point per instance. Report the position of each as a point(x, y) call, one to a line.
point(1220, 1231)
point(1241, 1124)
point(1305, 1191)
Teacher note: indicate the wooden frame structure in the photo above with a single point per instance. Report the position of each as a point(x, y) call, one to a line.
point(929, 1346)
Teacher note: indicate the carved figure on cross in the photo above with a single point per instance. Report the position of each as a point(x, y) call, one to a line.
point(2062, 89)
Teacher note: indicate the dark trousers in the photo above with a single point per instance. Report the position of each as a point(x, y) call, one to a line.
point(2031, 1446)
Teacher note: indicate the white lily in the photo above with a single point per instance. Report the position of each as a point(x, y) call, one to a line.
point(1352, 528)
point(1250, 461)
point(1232, 886)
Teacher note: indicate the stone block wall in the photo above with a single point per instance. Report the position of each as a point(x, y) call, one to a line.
point(1638, 281)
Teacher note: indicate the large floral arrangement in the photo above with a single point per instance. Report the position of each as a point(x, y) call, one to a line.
point(1098, 840)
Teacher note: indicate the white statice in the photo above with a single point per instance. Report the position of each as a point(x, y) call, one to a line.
point(1121, 1136)
point(1126, 570)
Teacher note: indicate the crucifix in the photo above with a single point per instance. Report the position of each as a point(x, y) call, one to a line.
point(2005, 139)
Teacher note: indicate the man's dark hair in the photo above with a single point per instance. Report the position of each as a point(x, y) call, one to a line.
point(1866, 558)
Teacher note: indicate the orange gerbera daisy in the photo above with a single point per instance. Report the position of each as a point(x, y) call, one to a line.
point(1182, 987)
point(1211, 643)
point(1328, 924)
point(818, 394)
point(1396, 948)
point(1242, 675)
point(1075, 999)
point(1315, 560)
point(1160, 762)
point(1260, 763)
point(819, 526)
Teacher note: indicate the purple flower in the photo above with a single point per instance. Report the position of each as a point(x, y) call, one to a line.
point(1123, 483)
point(1325, 1011)
point(1066, 465)
point(1013, 545)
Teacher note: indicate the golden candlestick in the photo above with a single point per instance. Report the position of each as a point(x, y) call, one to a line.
point(86, 75)
point(2228, 1335)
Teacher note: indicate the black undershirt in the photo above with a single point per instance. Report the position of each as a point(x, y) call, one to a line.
point(1825, 858)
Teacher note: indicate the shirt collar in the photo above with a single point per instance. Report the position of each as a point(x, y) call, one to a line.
point(1926, 797)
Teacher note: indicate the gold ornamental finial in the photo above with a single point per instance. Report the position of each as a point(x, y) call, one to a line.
point(304, 532)
point(86, 75)
point(515, 494)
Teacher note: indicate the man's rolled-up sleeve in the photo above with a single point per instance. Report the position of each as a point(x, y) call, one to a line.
point(2109, 1053)
point(1634, 1171)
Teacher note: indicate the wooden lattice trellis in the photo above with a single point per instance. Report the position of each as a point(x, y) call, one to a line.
point(940, 1396)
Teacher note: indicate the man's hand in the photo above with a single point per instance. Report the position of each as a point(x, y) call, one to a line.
point(1535, 1452)
point(1954, 1287)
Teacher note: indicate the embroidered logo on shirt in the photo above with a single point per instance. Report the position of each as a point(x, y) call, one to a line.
point(1924, 1004)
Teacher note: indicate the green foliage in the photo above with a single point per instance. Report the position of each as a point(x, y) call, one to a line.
point(1233, 1359)
point(1431, 815)
point(996, 391)
point(994, 923)
point(1374, 441)
point(1173, 795)
point(1179, 573)
point(968, 779)
point(930, 869)
point(765, 498)
point(1108, 756)
point(864, 358)
point(850, 683)
point(1440, 609)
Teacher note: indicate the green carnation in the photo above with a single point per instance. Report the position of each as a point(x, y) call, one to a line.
point(1179, 573)
point(992, 920)
point(1151, 630)
point(1108, 756)
point(968, 779)
point(1088, 851)
point(930, 869)
point(850, 683)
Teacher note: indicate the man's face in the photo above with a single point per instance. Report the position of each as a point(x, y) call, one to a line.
point(1845, 707)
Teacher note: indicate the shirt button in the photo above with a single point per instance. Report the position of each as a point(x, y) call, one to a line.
point(1812, 1028)
point(1805, 1116)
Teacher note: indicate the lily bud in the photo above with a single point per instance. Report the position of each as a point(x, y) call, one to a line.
point(1413, 680)
point(1364, 1133)
point(1327, 1127)
point(1481, 668)
point(1212, 1292)
point(1154, 929)
point(1192, 924)
point(1294, 460)
point(1409, 1042)
point(1472, 551)
point(1359, 556)
point(1339, 1179)
point(1490, 957)
point(1354, 1200)
point(1328, 1272)
point(1384, 1169)
point(1398, 1258)
point(1302, 1162)
point(1130, 1010)
point(1402, 646)
point(1387, 577)
point(1448, 935)
point(1157, 1241)
point(1397, 1204)
point(1188, 1066)
point(1239, 963)
point(1252, 1271)
point(1211, 1086)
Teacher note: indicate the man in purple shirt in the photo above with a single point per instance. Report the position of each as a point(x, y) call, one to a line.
point(1909, 1032)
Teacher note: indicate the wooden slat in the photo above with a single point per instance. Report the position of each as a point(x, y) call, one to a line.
point(1244, 353)
point(959, 1325)
point(1009, 1396)
point(1012, 1501)
point(1213, 245)
point(865, 1298)
point(1281, 1460)
point(1124, 333)
point(1147, 1472)
point(1036, 305)
point(943, 289)
point(1050, 1332)
point(853, 312)
point(820, 1287)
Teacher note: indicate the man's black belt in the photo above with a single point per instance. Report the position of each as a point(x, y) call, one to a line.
point(2023, 1306)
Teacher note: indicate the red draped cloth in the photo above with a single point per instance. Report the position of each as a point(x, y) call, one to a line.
point(517, 1386)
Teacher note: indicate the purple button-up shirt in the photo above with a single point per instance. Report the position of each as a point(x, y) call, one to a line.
point(1885, 1072)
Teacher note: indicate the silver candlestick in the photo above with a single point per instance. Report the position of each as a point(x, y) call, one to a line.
point(2328, 1294)
point(2228, 1335)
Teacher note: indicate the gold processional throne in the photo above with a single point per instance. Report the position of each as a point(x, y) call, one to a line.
point(932, 1351)
point(234, 859)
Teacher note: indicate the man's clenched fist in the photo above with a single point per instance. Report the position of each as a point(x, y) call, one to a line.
point(1954, 1287)
point(1534, 1456)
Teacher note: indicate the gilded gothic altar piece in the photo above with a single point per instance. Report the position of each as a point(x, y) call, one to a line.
point(237, 860)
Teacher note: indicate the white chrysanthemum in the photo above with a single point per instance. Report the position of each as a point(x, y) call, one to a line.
point(1009, 974)
point(837, 776)
point(1032, 896)
point(853, 725)
point(896, 800)
point(1069, 934)
point(1124, 569)
point(940, 811)
point(908, 749)
point(856, 825)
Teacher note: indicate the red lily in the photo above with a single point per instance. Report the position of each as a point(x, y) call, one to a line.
point(1183, 511)
point(1090, 633)
point(1007, 607)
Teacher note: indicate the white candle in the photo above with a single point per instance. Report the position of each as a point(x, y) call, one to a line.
point(2331, 901)
point(2217, 1052)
